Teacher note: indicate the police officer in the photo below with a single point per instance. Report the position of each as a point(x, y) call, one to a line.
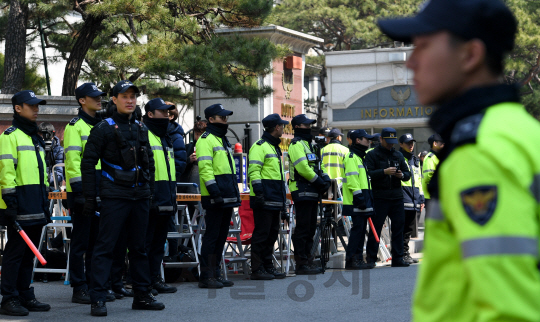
point(127, 184)
point(23, 180)
point(163, 205)
point(333, 155)
point(306, 185)
point(357, 199)
point(431, 161)
point(376, 142)
point(481, 244)
point(413, 195)
point(219, 193)
point(267, 197)
point(387, 168)
point(84, 228)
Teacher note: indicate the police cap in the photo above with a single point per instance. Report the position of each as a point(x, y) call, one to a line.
point(405, 138)
point(216, 109)
point(27, 97)
point(123, 86)
point(358, 134)
point(389, 135)
point(434, 138)
point(334, 133)
point(87, 89)
point(272, 120)
point(301, 119)
point(488, 20)
point(157, 104)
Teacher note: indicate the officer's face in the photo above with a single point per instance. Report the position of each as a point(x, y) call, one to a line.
point(279, 129)
point(29, 112)
point(126, 101)
point(409, 146)
point(386, 145)
point(303, 126)
point(219, 119)
point(438, 68)
point(159, 114)
point(362, 141)
point(91, 103)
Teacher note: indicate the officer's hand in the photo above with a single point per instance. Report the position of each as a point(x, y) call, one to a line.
point(359, 202)
point(422, 206)
point(192, 158)
point(390, 171)
point(327, 186)
point(257, 201)
point(218, 201)
point(11, 215)
point(398, 174)
point(90, 207)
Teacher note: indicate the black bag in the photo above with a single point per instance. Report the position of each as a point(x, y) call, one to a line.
point(176, 274)
point(55, 259)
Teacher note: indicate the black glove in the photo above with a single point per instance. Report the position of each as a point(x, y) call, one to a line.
point(90, 207)
point(322, 185)
point(257, 201)
point(359, 202)
point(154, 209)
point(218, 201)
point(10, 214)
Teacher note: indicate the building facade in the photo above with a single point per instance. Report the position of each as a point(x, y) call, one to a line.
point(372, 89)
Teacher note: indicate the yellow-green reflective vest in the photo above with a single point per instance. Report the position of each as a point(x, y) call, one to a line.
point(413, 193)
point(302, 163)
point(332, 157)
point(266, 173)
point(481, 249)
point(356, 182)
point(216, 166)
point(75, 138)
point(431, 161)
point(20, 163)
point(165, 175)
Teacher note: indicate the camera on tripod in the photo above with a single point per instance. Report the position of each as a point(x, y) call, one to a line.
point(47, 133)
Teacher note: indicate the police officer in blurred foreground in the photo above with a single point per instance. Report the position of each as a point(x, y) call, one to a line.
point(219, 193)
point(413, 195)
point(163, 205)
point(23, 180)
point(306, 185)
point(357, 198)
point(387, 168)
point(267, 197)
point(481, 246)
point(127, 185)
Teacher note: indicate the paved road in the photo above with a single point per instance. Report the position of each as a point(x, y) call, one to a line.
point(383, 293)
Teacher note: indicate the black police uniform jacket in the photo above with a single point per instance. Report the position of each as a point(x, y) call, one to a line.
point(386, 186)
point(127, 161)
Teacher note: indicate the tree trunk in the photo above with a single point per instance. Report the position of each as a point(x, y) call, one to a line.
point(320, 103)
point(15, 53)
point(89, 31)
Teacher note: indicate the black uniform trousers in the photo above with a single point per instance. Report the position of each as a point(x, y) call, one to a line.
point(156, 236)
point(218, 222)
point(18, 264)
point(119, 262)
point(392, 208)
point(264, 237)
point(83, 238)
point(426, 205)
point(119, 215)
point(357, 237)
point(409, 226)
point(306, 225)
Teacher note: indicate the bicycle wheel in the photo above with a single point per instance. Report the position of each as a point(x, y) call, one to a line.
point(325, 243)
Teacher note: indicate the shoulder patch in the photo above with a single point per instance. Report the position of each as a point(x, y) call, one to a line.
point(260, 142)
point(295, 140)
point(74, 120)
point(205, 134)
point(351, 155)
point(480, 203)
point(10, 130)
point(466, 130)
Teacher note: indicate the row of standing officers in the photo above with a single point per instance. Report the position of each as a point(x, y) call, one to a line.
point(121, 185)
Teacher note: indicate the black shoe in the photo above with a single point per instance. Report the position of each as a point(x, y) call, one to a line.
point(123, 292)
point(277, 274)
point(81, 297)
point(225, 282)
point(209, 283)
point(111, 296)
point(13, 307)
point(154, 292)
point(408, 259)
point(399, 263)
point(36, 306)
point(315, 267)
point(161, 287)
point(261, 274)
point(306, 270)
point(371, 265)
point(98, 309)
point(146, 301)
